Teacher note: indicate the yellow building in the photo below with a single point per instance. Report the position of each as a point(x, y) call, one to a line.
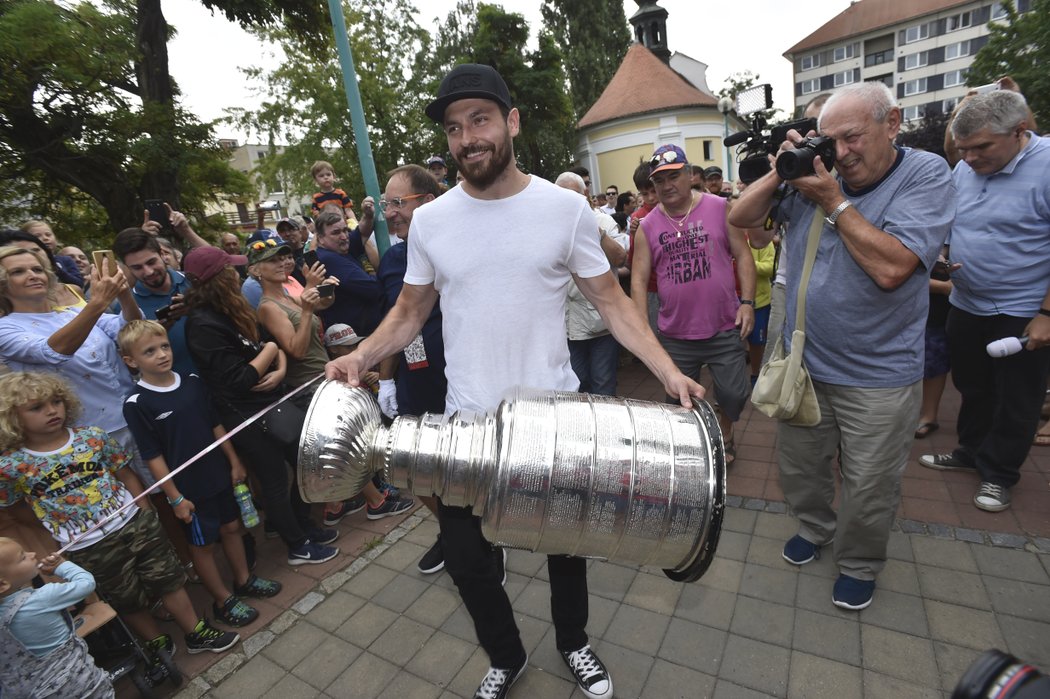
point(655, 97)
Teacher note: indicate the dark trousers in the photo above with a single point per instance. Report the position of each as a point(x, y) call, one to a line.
point(469, 559)
point(594, 362)
point(1001, 398)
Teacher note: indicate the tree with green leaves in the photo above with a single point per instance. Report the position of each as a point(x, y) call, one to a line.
point(926, 134)
point(1019, 47)
point(593, 36)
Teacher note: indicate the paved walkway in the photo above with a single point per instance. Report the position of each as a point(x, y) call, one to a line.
point(753, 626)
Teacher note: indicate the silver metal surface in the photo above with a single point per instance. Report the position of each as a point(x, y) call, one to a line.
point(561, 473)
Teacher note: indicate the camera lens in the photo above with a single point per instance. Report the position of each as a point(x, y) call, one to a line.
point(997, 675)
point(792, 164)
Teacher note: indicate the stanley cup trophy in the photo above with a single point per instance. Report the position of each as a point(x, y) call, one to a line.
point(548, 471)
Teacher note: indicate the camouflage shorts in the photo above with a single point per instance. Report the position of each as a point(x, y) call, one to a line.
point(133, 565)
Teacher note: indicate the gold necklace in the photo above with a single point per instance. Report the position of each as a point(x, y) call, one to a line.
point(680, 222)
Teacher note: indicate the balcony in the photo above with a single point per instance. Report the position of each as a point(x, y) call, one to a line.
point(874, 59)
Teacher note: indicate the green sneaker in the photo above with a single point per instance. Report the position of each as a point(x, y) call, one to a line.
point(163, 642)
point(206, 637)
point(257, 587)
point(234, 612)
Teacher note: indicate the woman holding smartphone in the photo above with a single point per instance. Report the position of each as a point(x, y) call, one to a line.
point(297, 330)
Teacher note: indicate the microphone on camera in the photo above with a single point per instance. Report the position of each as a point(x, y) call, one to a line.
point(1006, 346)
point(735, 139)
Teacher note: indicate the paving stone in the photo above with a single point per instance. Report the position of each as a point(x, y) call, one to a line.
point(899, 547)
point(308, 602)
point(637, 629)
point(779, 508)
point(739, 520)
point(942, 531)
point(535, 600)
point(256, 642)
point(754, 504)
point(367, 676)
point(657, 594)
point(537, 683)
point(292, 686)
point(896, 611)
point(827, 636)
point(366, 624)
point(816, 677)
point(900, 655)
point(1027, 640)
point(765, 621)
point(814, 594)
point(766, 552)
point(899, 576)
point(770, 584)
point(953, 661)
point(284, 621)
point(469, 676)
point(723, 574)
point(694, 646)
point(324, 663)
point(434, 606)
point(953, 586)
point(774, 526)
point(194, 689)
point(403, 558)
point(526, 563)
point(909, 526)
point(406, 686)
point(1014, 541)
point(669, 681)
point(706, 606)
point(963, 626)
point(600, 614)
point(975, 536)
point(944, 554)
point(334, 611)
point(733, 545)
point(534, 630)
point(1007, 563)
point(879, 686)
point(824, 566)
point(1017, 598)
point(628, 668)
point(727, 690)
point(756, 665)
point(401, 640)
point(611, 581)
point(734, 501)
point(254, 679)
point(369, 581)
point(295, 644)
point(400, 593)
point(1042, 544)
point(460, 625)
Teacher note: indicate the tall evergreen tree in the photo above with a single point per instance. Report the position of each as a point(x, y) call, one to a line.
point(593, 36)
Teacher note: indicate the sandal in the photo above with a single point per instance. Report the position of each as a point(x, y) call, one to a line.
point(730, 449)
point(925, 429)
point(1041, 440)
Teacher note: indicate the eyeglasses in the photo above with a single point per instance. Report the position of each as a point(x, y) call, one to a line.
point(666, 157)
point(263, 244)
point(397, 202)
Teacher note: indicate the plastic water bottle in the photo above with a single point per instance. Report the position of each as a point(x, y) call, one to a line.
point(244, 500)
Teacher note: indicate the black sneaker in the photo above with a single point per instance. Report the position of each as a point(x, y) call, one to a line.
point(497, 681)
point(945, 462)
point(206, 637)
point(590, 674)
point(991, 497)
point(257, 587)
point(346, 507)
point(433, 560)
point(163, 642)
point(234, 612)
point(389, 507)
point(321, 536)
point(309, 552)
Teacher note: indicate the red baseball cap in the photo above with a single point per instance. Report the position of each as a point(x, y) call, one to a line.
point(203, 263)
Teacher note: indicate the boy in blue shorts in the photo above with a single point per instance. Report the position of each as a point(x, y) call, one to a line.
point(171, 418)
point(73, 478)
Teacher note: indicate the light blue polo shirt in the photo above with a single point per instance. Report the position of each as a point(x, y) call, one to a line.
point(1001, 235)
point(149, 302)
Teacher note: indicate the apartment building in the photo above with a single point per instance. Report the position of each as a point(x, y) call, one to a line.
point(922, 50)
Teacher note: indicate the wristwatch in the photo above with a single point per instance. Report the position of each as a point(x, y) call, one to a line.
point(834, 215)
point(747, 302)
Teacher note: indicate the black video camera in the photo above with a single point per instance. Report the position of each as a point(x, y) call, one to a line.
point(752, 156)
point(798, 162)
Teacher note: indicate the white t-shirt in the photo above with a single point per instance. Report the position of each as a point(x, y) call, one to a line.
point(502, 268)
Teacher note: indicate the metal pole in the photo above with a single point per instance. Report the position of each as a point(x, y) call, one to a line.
point(357, 120)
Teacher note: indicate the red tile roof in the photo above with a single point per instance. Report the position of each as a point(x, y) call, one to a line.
point(868, 15)
point(643, 83)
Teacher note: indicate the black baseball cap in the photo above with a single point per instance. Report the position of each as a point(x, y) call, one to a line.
point(465, 81)
point(713, 171)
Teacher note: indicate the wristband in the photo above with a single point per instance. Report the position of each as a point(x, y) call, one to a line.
point(747, 302)
point(177, 501)
point(1044, 311)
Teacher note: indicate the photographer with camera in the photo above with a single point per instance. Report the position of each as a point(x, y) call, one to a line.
point(882, 220)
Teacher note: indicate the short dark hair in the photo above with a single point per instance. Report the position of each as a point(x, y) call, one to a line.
point(132, 240)
point(329, 218)
point(580, 170)
point(621, 201)
point(697, 170)
point(419, 178)
point(641, 176)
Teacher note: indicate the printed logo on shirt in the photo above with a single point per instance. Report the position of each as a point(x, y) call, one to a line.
point(163, 415)
point(416, 354)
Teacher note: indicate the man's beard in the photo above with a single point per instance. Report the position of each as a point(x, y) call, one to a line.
point(483, 175)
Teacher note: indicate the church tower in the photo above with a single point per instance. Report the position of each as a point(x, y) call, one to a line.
point(650, 28)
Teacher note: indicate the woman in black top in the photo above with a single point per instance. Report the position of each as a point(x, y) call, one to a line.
point(245, 375)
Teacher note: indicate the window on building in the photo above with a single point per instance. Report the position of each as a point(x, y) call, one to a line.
point(844, 78)
point(843, 53)
point(916, 33)
point(949, 104)
point(915, 87)
point(810, 86)
point(916, 60)
point(809, 62)
point(998, 12)
point(960, 21)
point(957, 50)
point(708, 151)
point(955, 77)
point(913, 112)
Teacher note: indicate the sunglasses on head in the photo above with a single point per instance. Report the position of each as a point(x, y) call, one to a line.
point(664, 158)
point(263, 244)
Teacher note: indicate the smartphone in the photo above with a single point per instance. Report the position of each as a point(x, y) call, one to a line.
point(157, 211)
point(325, 291)
point(98, 255)
point(310, 258)
point(163, 313)
point(990, 87)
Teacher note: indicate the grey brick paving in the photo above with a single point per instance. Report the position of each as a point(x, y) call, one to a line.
point(753, 626)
